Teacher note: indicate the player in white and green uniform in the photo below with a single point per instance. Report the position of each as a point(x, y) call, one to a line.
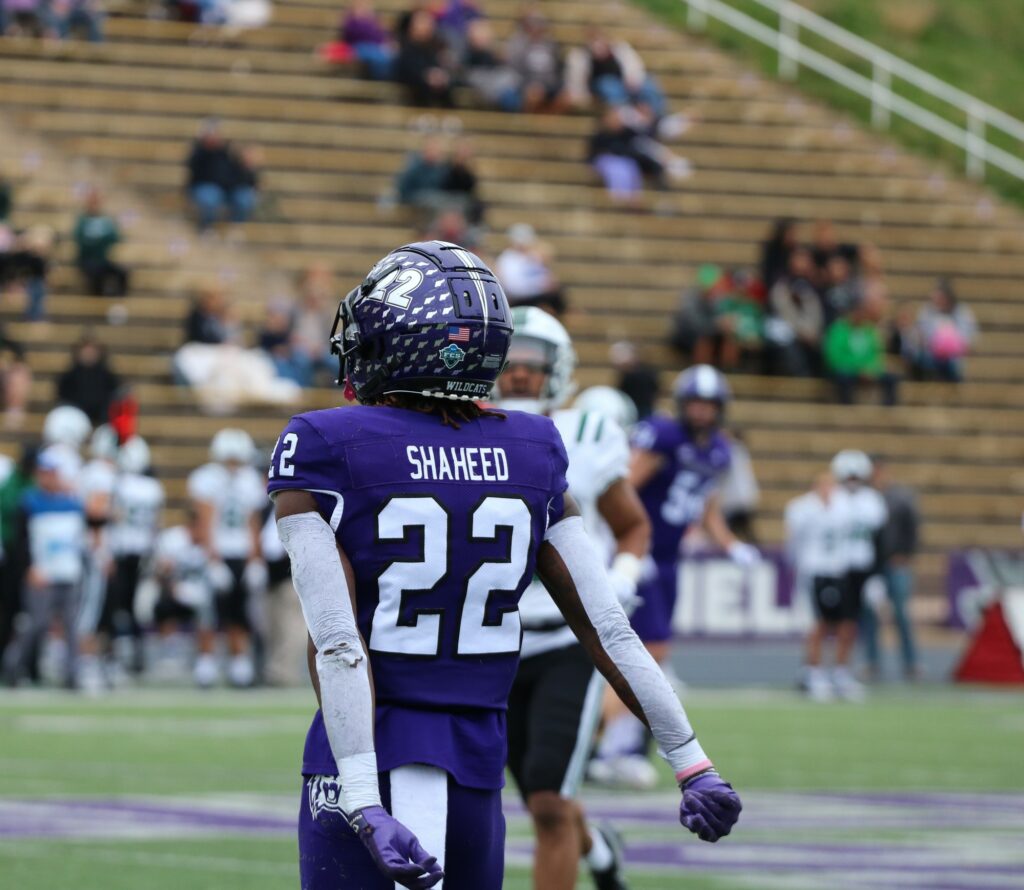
point(555, 703)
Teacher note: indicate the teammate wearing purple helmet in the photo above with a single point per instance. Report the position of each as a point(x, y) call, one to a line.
point(676, 467)
point(414, 522)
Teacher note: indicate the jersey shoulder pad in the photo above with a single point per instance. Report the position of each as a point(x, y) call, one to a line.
point(206, 482)
point(656, 433)
point(310, 452)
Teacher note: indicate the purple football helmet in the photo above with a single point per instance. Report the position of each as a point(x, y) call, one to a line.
point(702, 382)
point(430, 319)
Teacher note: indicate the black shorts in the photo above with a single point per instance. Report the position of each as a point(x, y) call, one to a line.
point(169, 609)
point(119, 612)
point(553, 711)
point(835, 599)
point(232, 605)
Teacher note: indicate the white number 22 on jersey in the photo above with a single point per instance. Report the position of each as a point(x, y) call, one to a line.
point(478, 633)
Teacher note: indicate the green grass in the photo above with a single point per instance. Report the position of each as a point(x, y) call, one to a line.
point(976, 45)
point(243, 750)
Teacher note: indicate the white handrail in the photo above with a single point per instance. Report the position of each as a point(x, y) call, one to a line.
point(878, 89)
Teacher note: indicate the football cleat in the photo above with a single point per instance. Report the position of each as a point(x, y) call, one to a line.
point(610, 878)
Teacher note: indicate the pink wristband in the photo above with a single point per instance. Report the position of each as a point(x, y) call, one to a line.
point(693, 770)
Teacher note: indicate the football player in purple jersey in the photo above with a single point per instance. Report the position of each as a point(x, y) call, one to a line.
point(676, 466)
point(414, 522)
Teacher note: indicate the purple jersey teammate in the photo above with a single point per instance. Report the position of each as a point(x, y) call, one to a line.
point(676, 467)
point(414, 522)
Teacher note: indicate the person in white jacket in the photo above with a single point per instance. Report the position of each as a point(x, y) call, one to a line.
point(611, 72)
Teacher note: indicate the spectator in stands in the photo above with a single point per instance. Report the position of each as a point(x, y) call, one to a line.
point(218, 179)
point(794, 330)
point(825, 246)
point(28, 18)
point(371, 42)
point(29, 262)
point(318, 297)
point(739, 317)
point(946, 330)
point(212, 319)
point(537, 59)
point(96, 234)
point(636, 379)
point(903, 340)
point(422, 63)
point(854, 351)
point(451, 225)
point(277, 339)
point(611, 72)
point(701, 330)
point(899, 541)
point(775, 252)
point(486, 72)
point(244, 190)
point(840, 289)
point(86, 16)
point(620, 157)
point(15, 381)
point(89, 383)
point(524, 269)
point(454, 18)
point(460, 183)
point(421, 182)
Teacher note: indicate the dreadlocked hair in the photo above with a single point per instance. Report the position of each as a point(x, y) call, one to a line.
point(451, 413)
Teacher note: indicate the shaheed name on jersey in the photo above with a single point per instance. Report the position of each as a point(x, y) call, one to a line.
point(440, 618)
point(458, 464)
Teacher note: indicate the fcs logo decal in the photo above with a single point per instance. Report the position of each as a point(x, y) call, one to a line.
point(452, 355)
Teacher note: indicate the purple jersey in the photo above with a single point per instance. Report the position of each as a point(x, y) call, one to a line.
point(442, 528)
point(675, 496)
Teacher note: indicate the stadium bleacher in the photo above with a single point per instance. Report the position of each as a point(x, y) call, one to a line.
point(332, 143)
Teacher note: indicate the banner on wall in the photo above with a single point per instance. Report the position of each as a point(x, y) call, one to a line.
point(976, 578)
point(719, 598)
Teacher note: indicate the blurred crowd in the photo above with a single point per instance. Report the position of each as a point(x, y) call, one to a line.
point(52, 19)
point(820, 308)
point(97, 589)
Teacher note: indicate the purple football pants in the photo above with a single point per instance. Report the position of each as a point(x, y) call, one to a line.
point(331, 857)
point(652, 619)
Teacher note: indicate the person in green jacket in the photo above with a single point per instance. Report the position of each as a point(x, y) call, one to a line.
point(854, 352)
point(96, 233)
point(16, 482)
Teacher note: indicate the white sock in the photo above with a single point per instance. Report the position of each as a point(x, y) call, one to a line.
point(624, 735)
point(600, 857)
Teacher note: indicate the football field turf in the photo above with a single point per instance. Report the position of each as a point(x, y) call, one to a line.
point(920, 787)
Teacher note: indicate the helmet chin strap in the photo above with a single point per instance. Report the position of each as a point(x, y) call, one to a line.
point(529, 406)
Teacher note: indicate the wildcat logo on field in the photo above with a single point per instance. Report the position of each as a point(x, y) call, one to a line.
point(452, 355)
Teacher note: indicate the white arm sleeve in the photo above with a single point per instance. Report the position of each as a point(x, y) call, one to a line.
point(661, 706)
point(341, 663)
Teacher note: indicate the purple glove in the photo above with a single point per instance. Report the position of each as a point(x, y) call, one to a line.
point(395, 849)
point(710, 807)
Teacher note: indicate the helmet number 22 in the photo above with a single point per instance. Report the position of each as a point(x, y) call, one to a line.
point(401, 629)
point(394, 289)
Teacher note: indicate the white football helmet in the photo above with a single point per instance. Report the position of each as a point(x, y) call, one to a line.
point(134, 456)
point(544, 334)
point(103, 444)
point(66, 425)
point(851, 464)
point(610, 402)
point(232, 446)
